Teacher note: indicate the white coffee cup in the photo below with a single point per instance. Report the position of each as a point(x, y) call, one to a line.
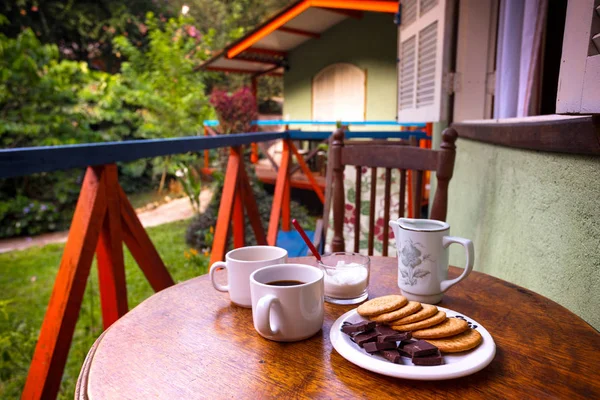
point(422, 247)
point(242, 262)
point(287, 313)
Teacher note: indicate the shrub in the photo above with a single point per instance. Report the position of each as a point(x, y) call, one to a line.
point(236, 112)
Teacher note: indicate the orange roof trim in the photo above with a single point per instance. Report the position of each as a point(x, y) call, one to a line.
point(299, 8)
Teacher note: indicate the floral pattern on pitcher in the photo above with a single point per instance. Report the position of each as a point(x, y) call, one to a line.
point(411, 257)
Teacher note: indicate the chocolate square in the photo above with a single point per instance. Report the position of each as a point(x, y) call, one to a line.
point(393, 337)
point(373, 347)
point(419, 348)
point(401, 350)
point(432, 359)
point(365, 337)
point(385, 330)
point(391, 355)
point(362, 326)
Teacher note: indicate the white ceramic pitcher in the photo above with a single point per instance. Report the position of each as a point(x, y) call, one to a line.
point(422, 247)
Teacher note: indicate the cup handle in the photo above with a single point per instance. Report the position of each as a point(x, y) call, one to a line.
point(468, 245)
point(263, 315)
point(213, 268)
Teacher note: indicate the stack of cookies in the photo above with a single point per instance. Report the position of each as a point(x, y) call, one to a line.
point(424, 321)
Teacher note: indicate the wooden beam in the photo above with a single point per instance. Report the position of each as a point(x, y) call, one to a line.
point(56, 334)
point(300, 32)
point(252, 209)
point(143, 251)
point(109, 252)
point(308, 173)
point(226, 206)
point(270, 52)
point(26, 161)
point(348, 13)
point(269, 27)
point(278, 198)
point(364, 5)
point(548, 133)
point(286, 212)
point(232, 70)
point(238, 217)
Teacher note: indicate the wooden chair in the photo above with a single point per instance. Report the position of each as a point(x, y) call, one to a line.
point(379, 155)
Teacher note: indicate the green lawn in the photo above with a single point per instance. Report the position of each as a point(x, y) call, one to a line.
point(26, 281)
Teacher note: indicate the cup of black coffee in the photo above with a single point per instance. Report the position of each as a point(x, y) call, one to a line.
point(287, 301)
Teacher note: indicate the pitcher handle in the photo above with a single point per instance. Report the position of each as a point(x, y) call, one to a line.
point(469, 252)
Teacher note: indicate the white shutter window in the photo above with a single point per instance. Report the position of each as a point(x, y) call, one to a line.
point(579, 80)
point(423, 50)
point(406, 81)
point(339, 93)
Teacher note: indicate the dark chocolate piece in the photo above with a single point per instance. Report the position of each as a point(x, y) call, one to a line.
point(391, 355)
point(420, 348)
point(401, 350)
point(433, 359)
point(373, 347)
point(365, 337)
point(393, 337)
point(385, 330)
point(363, 326)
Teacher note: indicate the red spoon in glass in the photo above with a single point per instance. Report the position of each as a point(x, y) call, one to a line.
point(306, 239)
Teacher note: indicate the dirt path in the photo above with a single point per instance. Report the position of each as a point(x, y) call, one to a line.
point(175, 210)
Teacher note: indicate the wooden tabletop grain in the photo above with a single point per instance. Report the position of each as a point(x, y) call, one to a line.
point(190, 342)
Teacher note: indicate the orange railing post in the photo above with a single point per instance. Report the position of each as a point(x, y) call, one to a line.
point(103, 218)
point(109, 252)
point(279, 197)
point(237, 195)
point(238, 216)
point(226, 206)
point(307, 172)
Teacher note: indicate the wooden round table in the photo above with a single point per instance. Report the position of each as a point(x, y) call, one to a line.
point(189, 341)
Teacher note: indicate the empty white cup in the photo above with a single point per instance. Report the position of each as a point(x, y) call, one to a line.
point(242, 262)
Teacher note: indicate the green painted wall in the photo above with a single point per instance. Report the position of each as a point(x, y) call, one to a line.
point(369, 43)
point(534, 219)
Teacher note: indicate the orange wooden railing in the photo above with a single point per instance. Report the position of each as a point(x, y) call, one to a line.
point(103, 220)
point(236, 195)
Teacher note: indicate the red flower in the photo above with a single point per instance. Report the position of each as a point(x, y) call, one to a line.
point(349, 214)
point(378, 230)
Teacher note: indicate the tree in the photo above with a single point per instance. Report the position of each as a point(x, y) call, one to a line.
point(228, 20)
point(82, 29)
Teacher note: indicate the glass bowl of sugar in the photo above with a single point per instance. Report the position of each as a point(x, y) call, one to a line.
point(346, 277)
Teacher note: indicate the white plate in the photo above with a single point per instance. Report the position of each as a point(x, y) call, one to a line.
point(455, 366)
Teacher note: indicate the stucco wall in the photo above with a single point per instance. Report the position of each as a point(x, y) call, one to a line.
point(534, 219)
point(369, 43)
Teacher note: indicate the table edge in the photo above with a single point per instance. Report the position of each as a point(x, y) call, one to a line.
point(81, 388)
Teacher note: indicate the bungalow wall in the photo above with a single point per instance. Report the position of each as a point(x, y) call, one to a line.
point(534, 219)
point(369, 43)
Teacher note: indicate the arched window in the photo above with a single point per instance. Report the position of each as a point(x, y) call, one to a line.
point(338, 93)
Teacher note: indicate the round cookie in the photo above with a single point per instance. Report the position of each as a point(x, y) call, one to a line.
point(380, 305)
point(467, 340)
point(450, 327)
point(410, 308)
point(426, 311)
point(426, 323)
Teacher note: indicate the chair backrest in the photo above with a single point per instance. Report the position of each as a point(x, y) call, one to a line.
point(384, 155)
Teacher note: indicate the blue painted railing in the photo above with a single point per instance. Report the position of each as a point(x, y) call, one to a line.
point(31, 160)
point(277, 122)
point(316, 135)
